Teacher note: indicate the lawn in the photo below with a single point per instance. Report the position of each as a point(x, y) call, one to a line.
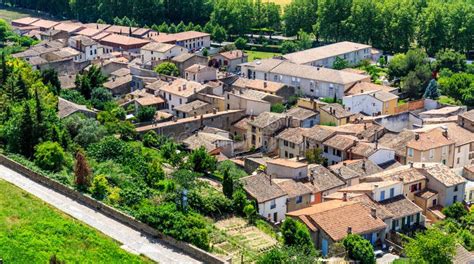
point(255, 55)
point(32, 231)
point(10, 14)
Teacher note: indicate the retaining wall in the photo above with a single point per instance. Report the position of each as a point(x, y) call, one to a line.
point(193, 251)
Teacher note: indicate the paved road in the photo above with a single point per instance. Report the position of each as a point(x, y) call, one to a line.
point(131, 240)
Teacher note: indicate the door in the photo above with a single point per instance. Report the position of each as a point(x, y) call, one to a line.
point(324, 247)
point(275, 217)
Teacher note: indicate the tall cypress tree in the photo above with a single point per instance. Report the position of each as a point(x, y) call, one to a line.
point(22, 89)
point(27, 139)
point(228, 184)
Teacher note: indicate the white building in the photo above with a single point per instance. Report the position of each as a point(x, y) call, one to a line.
point(160, 51)
point(200, 73)
point(271, 199)
point(180, 92)
point(192, 40)
point(371, 103)
point(325, 56)
point(284, 168)
point(86, 47)
point(308, 80)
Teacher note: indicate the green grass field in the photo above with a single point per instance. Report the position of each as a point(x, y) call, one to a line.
point(254, 55)
point(32, 231)
point(10, 14)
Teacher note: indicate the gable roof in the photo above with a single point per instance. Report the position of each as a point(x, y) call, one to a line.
point(336, 110)
point(233, 54)
point(292, 134)
point(261, 188)
point(430, 140)
point(349, 169)
point(341, 142)
point(322, 179)
point(287, 163)
point(158, 47)
point(399, 206)
point(443, 174)
point(260, 85)
point(265, 119)
point(301, 113)
point(292, 188)
point(183, 88)
point(314, 54)
point(362, 87)
point(319, 133)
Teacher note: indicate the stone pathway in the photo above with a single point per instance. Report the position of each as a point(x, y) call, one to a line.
point(131, 239)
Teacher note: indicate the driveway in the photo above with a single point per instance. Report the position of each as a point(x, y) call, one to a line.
point(131, 239)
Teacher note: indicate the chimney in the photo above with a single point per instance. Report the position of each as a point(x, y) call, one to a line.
point(179, 88)
point(330, 110)
point(423, 165)
point(184, 87)
point(417, 136)
point(297, 157)
point(373, 212)
point(363, 165)
point(445, 131)
point(344, 197)
point(361, 90)
point(270, 177)
point(317, 68)
point(264, 84)
point(349, 230)
point(365, 125)
point(214, 110)
point(411, 164)
point(376, 144)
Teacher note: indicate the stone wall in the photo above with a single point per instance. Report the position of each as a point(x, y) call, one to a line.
point(193, 251)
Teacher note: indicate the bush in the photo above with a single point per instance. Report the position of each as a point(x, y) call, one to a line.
point(100, 97)
point(99, 187)
point(277, 108)
point(455, 211)
point(167, 68)
point(145, 114)
point(50, 156)
point(359, 249)
point(296, 234)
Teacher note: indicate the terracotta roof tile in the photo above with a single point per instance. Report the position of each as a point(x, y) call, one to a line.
point(259, 187)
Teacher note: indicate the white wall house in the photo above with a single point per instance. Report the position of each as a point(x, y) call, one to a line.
point(160, 51)
point(284, 168)
point(179, 92)
point(87, 48)
point(307, 80)
point(325, 56)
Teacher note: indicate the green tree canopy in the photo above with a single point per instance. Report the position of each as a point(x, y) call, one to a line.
point(167, 68)
point(359, 249)
point(431, 246)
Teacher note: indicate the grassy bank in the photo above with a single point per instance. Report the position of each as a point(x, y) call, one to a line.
point(255, 55)
point(32, 231)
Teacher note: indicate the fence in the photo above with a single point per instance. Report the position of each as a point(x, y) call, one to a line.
point(410, 106)
point(111, 212)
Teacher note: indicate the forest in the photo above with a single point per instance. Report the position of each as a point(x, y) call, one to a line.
point(391, 25)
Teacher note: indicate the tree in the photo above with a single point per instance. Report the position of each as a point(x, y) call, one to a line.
point(432, 90)
point(201, 161)
point(100, 97)
point(340, 63)
point(249, 211)
point(305, 40)
point(50, 78)
point(277, 108)
point(414, 83)
point(91, 79)
point(155, 174)
point(287, 255)
point(99, 187)
point(26, 136)
point(431, 246)
point(331, 17)
point(50, 156)
point(228, 184)
point(359, 249)
point(450, 59)
point(82, 170)
point(239, 200)
point(288, 47)
point(315, 156)
point(300, 15)
point(455, 211)
point(459, 86)
point(296, 234)
point(240, 43)
point(167, 68)
point(146, 113)
point(219, 34)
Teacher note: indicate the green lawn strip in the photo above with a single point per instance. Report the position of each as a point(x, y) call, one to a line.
point(257, 55)
point(31, 231)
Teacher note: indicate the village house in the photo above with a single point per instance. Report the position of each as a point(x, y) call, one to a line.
point(444, 112)
point(435, 145)
point(309, 81)
point(150, 100)
point(363, 87)
point(180, 92)
point(291, 143)
point(464, 145)
point(192, 40)
point(44, 24)
point(263, 128)
point(327, 224)
point(214, 143)
point(186, 60)
point(466, 120)
point(67, 108)
point(194, 108)
point(115, 42)
point(86, 46)
point(153, 53)
point(299, 195)
point(253, 102)
point(239, 130)
point(449, 185)
point(350, 171)
point(119, 86)
point(336, 149)
point(334, 114)
point(322, 182)
point(316, 135)
point(200, 73)
point(274, 88)
point(398, 142)
point(302, 117)
point(325, 56)
point(69, 28)
point(230, 60)
point(373, 152)
point(287, 169)
point(371, 103)
point(24, 21)
point(271, 199)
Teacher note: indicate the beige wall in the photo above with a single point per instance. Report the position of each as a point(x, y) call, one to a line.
point(407, 191)
point(293, 206)
point(438, 155)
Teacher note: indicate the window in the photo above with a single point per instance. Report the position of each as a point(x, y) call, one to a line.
point(273, 204)
point(455, 188)
point(431, 154)
point(285, 143)
point(445, 150)
point(435, 202)
point(299, 199)
point(392, 192)
point(455, 198)
point(326, 149)
point(382, 195)
point(410, 152)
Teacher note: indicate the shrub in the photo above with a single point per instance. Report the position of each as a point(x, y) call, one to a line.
point(49, 156)
point(145, 114)
point(99, 187)
point(296, 234)
point(359, 249)
point(167, 68)
point(277, 108)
